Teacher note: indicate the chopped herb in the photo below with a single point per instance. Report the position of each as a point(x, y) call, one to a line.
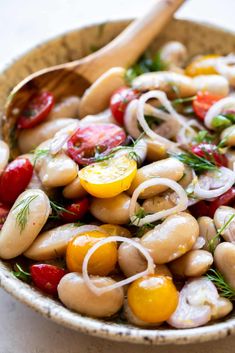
point(183, 100)
point(152, 120)
point(145, 227)
point(204, 136)
point(132, 153)
point(223, 287)
point(220, 122)
point(212, 242)
point(21, 274)
point(23, 211)
point(138, 216)
point(39, 154)
point(145, 64)
point(199, 164)
point(58, 209)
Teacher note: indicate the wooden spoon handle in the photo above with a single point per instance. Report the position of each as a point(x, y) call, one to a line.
point(125, 49)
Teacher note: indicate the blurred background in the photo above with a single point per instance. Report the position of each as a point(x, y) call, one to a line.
point(24, 24)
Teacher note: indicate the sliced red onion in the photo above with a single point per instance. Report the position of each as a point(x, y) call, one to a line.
point(187, 129)
point(130, 119)
point(217, 108)
point(182, 201)
point(161, 96)
point(100, 290)
point(229, 177)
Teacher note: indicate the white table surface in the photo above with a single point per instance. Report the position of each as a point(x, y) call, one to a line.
point(23, 24)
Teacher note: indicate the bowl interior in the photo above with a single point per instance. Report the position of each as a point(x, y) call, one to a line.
point(199, 39)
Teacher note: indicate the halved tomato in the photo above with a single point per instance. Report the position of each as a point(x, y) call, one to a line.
point(108, 178)
point(92, 141)
point(203, 102)
point(36, 110)
point(119, 101)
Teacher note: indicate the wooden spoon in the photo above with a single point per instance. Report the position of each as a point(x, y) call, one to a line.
point(75, 77)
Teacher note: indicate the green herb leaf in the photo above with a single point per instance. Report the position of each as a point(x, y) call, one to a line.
point(199, 164)
point(220, 122)
point(212, 242)
point(223, 287)
point(141, 230)
point(21, 274)
point(138, 216)
point(132, 154)
point(39, 153)
point(204, 136)
point(23, 211)
point(58, 209)
point(183, 100)
point(145, 64)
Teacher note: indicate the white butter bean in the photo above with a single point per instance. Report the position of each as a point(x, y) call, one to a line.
point(17, 235)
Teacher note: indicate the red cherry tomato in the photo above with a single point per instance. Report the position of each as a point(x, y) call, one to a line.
point(120, 100)
point(15, 179)
point(203, 102)
point(208, 208)
point(47, 277)
point(4, 210)
point(77, 210)
point(36, 110)
point(96, 139)
point(223, 200)
point(210, 152)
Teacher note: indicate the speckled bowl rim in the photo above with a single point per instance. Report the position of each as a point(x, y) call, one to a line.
point(51, 309)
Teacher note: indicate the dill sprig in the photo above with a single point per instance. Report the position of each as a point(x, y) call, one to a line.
point(21, 274)
point(138, 216)
point(132, 153)
point(23, 211)
point(199, 164)
point(37, 154)
point(58, 209)
point(212, 242)
point(223, 287)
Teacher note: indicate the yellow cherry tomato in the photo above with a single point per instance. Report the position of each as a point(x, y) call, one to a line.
point(113, 229)
point(101, 263)
point(108, 178)
point(153, 298)
point(204, 65)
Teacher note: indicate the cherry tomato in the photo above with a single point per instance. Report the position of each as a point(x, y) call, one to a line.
point(15, 179)
point(101, 263)
point(119, 101)
point(210, 152)
point(87, 142)
point(36, 110)
point(47, 277)
point(108, 178)
point(4, 210)
point(76, 210)
point(203, 102)
point(208, 208)
point(153, 298)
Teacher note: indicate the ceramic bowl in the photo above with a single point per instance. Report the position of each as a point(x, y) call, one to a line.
point(198, 38)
